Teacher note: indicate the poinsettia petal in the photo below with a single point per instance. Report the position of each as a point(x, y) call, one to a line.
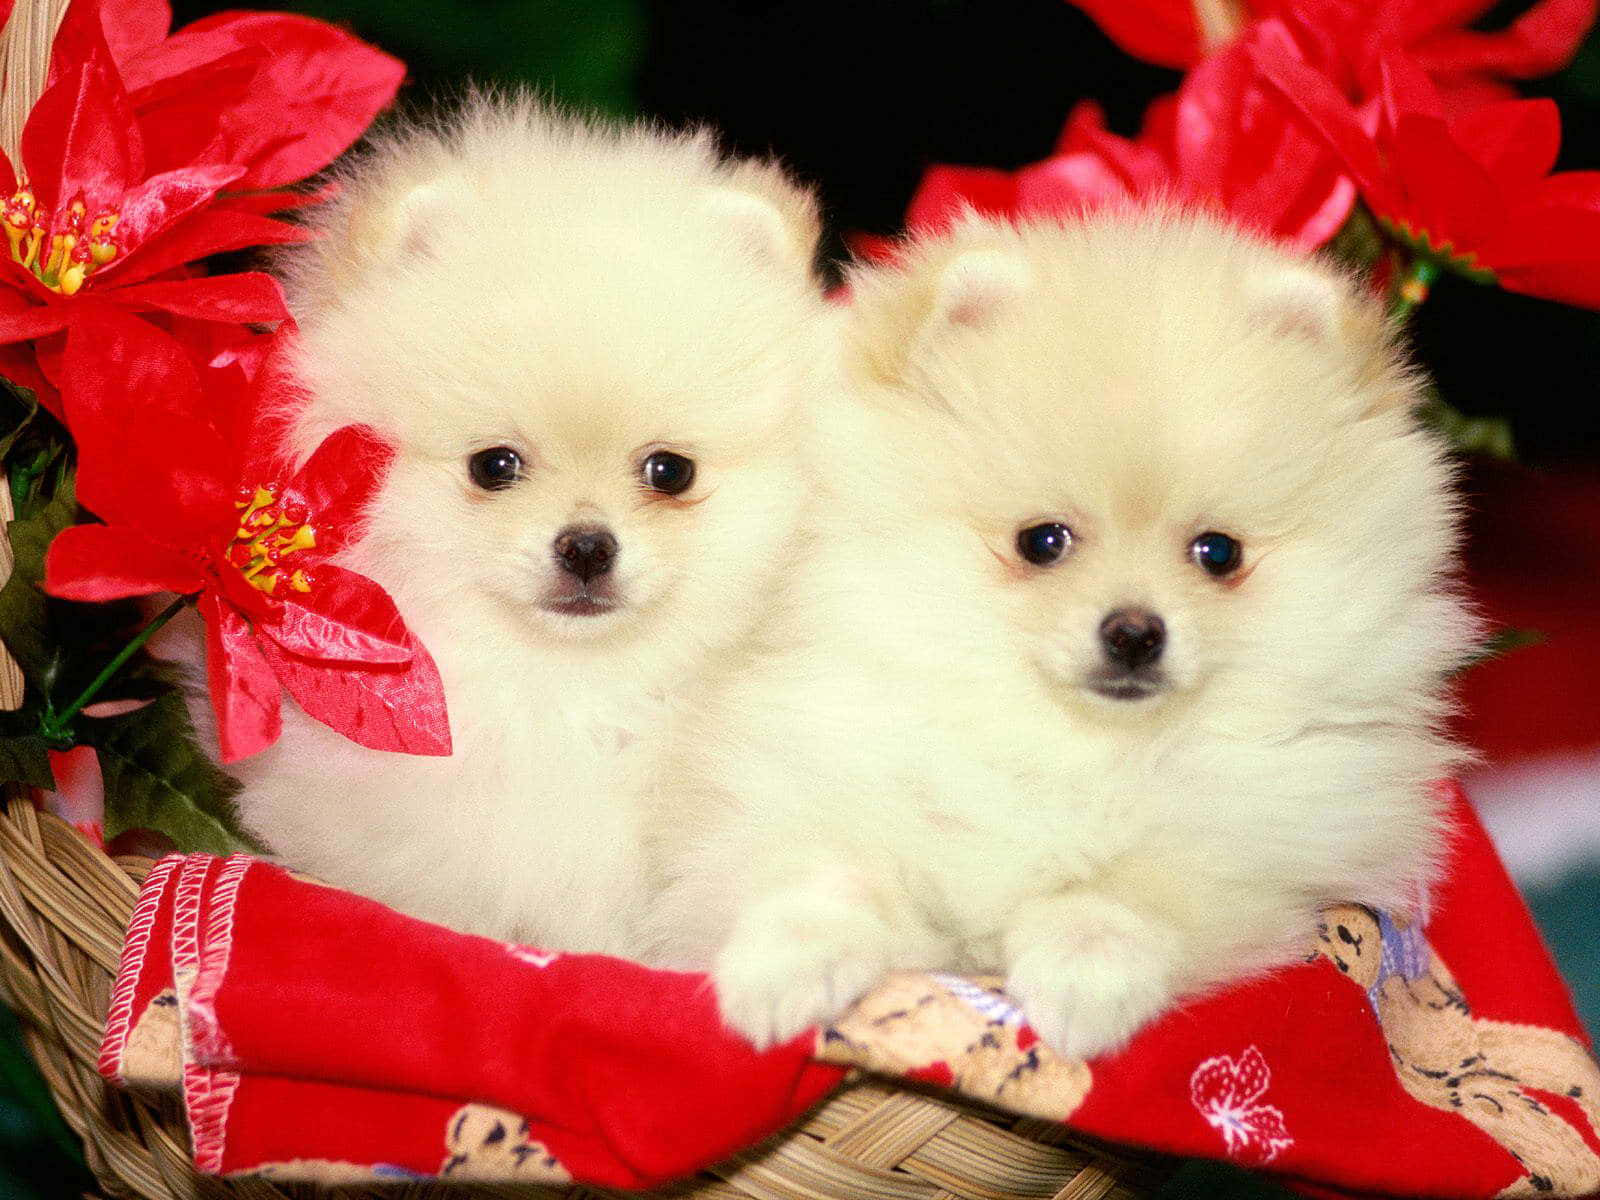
point(1139, 165)
point(1449, 197)
point(946, 192)
point(339, 480)
point(1159, 31)
point(239, 299)
point(1420, 17)
point(245, 692)
point(344, 618)
point(81, 138)
point(1329, 115)
point(35, 321)
point(1407, 90)
point(1068, 184)
point(282, 200)
point(96, 563)
point(182, 116)
point(1541, 41)
point(1569, 282)
point(216, 229)
point(149, 458)
point(133, 26)
point(386, 708)
point(163, 200)
point(1516, 142)
point(1551, 247)
point(1238, 146)
point(317, 90)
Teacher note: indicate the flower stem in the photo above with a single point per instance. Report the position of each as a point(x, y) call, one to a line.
point(1411, 288)
point(56, 726)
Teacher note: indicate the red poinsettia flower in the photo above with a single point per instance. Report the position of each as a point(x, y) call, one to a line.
point(209, 507)
point(126, 158)
point(1472, 194)
point(279, 94)
point(85, 218)
point(1223, 142)
point(1437, 33)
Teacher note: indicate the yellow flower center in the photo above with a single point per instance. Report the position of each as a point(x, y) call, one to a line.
point(63, 257)
point(268, 533)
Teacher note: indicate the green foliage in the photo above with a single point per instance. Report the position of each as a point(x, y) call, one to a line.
point(25, 624)
point(157, 777)
point(1487, 436)
point(1359, 243)
point(579, 52)
point(18, 407)
point(1502, 643)
point(155, 774)
point(39, 1156)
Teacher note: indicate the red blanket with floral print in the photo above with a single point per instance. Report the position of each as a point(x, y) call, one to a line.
point(317, 1035)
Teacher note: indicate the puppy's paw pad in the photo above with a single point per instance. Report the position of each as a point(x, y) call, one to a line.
point(771, 992)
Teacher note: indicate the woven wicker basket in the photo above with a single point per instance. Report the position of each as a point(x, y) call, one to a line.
point(63, 906)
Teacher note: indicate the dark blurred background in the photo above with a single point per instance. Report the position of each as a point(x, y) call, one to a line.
point(859, 98)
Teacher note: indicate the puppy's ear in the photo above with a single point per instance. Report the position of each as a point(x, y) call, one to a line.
point(902, 312)
point(1299, 300)
point(768, 212)
point(974, 288)
point(1319, 305)
point(404, 224)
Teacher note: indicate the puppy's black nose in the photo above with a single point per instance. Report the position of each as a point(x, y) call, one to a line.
point(1133, 637)
point(585, 550)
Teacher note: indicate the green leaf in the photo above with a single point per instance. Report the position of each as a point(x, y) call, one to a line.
point(157, 777)
point(1500, 644)
point(1359, 244)
point(18, 407)
point(23, 753)
point(1489, 436)
point(24, 609)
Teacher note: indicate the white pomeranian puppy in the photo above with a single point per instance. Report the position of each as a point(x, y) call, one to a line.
point(596, 351)
point(1122, 650)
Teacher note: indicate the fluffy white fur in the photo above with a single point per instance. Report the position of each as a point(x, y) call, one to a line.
point(586, 295)
point(922, 776)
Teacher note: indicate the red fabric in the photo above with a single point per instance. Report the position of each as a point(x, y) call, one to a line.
point(323, 1029)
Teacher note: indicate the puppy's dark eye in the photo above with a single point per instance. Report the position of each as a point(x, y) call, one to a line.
point(1045, 544)
point(496, 468)
point(1217, 553)
point(667, 472)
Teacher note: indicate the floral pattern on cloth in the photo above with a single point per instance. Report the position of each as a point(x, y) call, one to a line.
point(1400, 1058)
point(1226, 1092)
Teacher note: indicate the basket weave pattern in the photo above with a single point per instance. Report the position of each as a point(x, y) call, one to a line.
point(63, 907)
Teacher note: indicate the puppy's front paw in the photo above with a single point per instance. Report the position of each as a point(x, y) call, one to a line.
point(1092, 982)
point(772, 987)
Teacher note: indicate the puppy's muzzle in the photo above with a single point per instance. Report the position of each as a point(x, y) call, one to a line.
point(587, 551)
